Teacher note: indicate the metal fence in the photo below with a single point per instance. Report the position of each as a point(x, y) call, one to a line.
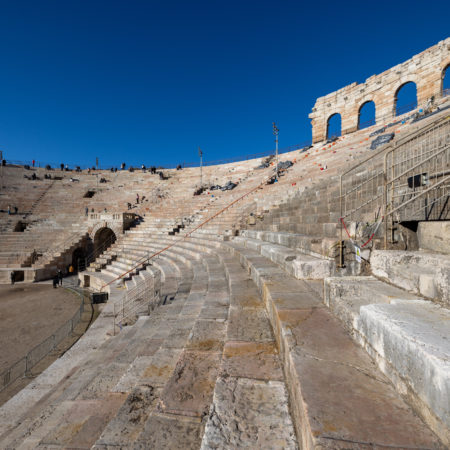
point(418, 177)
point(140, 299)
point(24, 365)
point(405, 180)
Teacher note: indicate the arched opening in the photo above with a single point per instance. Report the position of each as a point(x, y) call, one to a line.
point(405, 98)
point(446, 81)
point(104, 238)
point(78, 259)
point(334, 126)
point(366, 115)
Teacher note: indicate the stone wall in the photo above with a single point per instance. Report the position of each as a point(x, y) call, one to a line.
point(426, 70)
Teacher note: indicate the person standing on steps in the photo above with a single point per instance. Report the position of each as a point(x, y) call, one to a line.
point(86, 211)
point(137, 199)
point(13, 276)
point(60, 276)
point(9, 210)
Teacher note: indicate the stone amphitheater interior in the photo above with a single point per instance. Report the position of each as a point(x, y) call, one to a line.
point(307, 308)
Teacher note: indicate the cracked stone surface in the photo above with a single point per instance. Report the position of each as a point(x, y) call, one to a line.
point(249, 325)
point(189, 390)
point(257, 360)
point(151, 370)
point(249, 414)
point(208, 335)
point(174, 432)
point(126, 426)
point(83, 422)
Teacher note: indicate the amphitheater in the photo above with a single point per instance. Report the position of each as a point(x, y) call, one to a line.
point(309, 312)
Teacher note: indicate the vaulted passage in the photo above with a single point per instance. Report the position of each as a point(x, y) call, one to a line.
point(405, 98)
point(366, 115)
point(103, 238)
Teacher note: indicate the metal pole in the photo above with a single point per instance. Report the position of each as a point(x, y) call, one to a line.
point(200, 153)
point(275, 132)
point(1, 171)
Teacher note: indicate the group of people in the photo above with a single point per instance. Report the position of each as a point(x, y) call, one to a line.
point(58, 278)
point(11, 209)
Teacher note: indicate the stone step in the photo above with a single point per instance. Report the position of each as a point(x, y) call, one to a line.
point(421, 272)
point(180, 375)
point(338, 395)
point(250, 403)
point(408, 338)
point(93, 394)
point(295, 263)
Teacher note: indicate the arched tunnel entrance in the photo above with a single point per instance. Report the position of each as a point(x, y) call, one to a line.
point(78, 259)
point(104, 238)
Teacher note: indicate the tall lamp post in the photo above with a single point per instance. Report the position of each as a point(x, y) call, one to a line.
point(275, 132)
point(1, 171)
point(200, 153)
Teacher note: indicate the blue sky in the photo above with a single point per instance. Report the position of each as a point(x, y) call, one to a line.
point(148, 82)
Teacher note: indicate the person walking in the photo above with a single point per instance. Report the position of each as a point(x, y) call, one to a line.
point(86, 211)
point(60, 276)
point(55, 281)
point(13, 276)
point(33, 162)
point(9, 210)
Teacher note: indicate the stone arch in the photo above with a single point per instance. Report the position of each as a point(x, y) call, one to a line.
point(365, 116)
point(405, 105)
point(115, 227)
point(334, 125)
point(445, 76)
point(103, 238)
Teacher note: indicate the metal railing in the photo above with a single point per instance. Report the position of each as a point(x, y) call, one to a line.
point(145, 260)
point(25, 364)
point(418, 177)
point(387, 184)
point(139, 299)
point(242, 157)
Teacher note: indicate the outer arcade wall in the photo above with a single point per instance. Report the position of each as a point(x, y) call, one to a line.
point(426, 70)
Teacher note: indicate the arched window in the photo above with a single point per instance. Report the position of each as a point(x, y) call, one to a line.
point(405, 98)
point(366, 115)
point(334, 126)
point(446, 81)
